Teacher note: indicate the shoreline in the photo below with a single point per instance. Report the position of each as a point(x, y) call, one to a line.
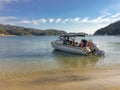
point(6, 35)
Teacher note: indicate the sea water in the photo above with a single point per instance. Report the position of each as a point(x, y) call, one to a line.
point(27, 56)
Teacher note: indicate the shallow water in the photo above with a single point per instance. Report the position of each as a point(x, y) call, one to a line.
point(35, 53)
point(31, 57)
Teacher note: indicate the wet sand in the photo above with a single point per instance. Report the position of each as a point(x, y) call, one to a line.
point(87, 79)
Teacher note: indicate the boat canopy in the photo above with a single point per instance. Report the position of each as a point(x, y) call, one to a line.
point(74, 35)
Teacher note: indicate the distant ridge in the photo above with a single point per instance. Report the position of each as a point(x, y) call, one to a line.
point(112, 29)
point(21, 31)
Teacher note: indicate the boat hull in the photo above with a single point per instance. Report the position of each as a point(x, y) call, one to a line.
point(67, 48)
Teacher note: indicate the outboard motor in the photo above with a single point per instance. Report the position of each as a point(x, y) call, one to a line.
point(100, 52)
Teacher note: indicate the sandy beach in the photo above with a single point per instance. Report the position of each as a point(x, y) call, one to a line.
point(91, 79)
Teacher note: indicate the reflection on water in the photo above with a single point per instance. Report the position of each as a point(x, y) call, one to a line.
point(67, 60)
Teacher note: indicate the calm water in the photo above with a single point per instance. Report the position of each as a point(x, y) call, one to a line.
point(34, 54)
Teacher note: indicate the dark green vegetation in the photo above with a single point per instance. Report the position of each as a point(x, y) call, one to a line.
point(21, 31)
point(112, 29)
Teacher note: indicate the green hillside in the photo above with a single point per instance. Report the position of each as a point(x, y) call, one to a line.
point(112, 29)
point(21, 31)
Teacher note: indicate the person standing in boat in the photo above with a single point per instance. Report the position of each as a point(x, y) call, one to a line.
point(67, 40)
point(84, 42)
point(84, 45)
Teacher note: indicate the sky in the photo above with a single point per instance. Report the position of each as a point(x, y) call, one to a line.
point(68, 15)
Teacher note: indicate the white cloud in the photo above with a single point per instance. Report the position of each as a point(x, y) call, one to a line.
point(77, 19)
point(85, 20)
point(3, 18)
point(26, 22)
point(4, 2)
point(8, 19)
point(51, 20)
point(58, 20)
point(39, 21)
point(99, 20)
point(116, 15)
point(8, 1)
point(35, 22)
point(43, 20)
point(106, 19)
point(66, 20)
point(78, 22)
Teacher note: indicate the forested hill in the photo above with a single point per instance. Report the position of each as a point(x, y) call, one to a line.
point(21, 31)
point(112, 29)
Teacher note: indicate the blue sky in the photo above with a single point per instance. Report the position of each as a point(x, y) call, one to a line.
point(69, 15)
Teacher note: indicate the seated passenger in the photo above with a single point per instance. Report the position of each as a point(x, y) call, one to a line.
point(89, 43)
point(73, 42)
point(76, 43)
point(64, 41)
point(80, 44)
point(70, 42)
